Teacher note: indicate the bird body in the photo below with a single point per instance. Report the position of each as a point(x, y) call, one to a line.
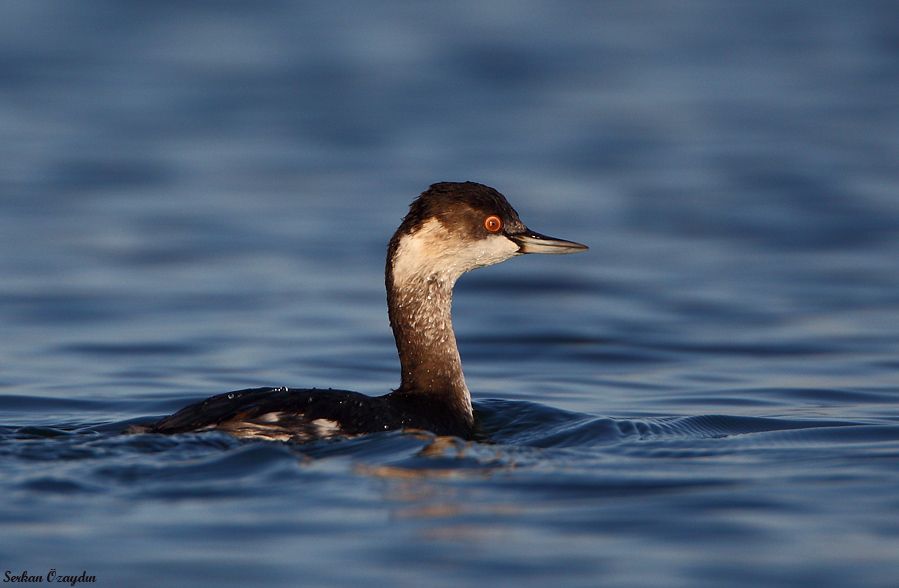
point(451, 228)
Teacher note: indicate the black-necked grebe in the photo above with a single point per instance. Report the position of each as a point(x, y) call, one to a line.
point(450, 229)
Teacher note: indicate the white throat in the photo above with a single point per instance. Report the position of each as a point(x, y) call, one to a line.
point(434, 251)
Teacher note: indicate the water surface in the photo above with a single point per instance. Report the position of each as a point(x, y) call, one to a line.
point(196, 198)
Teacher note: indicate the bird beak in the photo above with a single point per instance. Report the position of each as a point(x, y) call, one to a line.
point(531, 242)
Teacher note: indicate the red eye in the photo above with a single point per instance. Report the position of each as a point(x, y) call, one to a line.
point(493, 223)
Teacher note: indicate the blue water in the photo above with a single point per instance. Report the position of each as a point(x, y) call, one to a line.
point(195, 197)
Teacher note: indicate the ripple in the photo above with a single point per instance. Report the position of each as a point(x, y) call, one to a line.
point(535, 425)
point(132, 348)
point(25, 403)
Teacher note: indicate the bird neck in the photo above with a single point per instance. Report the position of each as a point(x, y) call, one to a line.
point(419, 305)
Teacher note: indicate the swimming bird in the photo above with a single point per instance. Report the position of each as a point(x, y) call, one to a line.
point(451, 228)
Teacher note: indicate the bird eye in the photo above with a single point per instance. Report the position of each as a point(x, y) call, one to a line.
point(493, 223)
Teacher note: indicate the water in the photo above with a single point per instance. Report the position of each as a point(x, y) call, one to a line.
point(196, 198)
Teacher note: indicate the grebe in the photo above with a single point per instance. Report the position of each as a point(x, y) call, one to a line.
point(450, 229)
